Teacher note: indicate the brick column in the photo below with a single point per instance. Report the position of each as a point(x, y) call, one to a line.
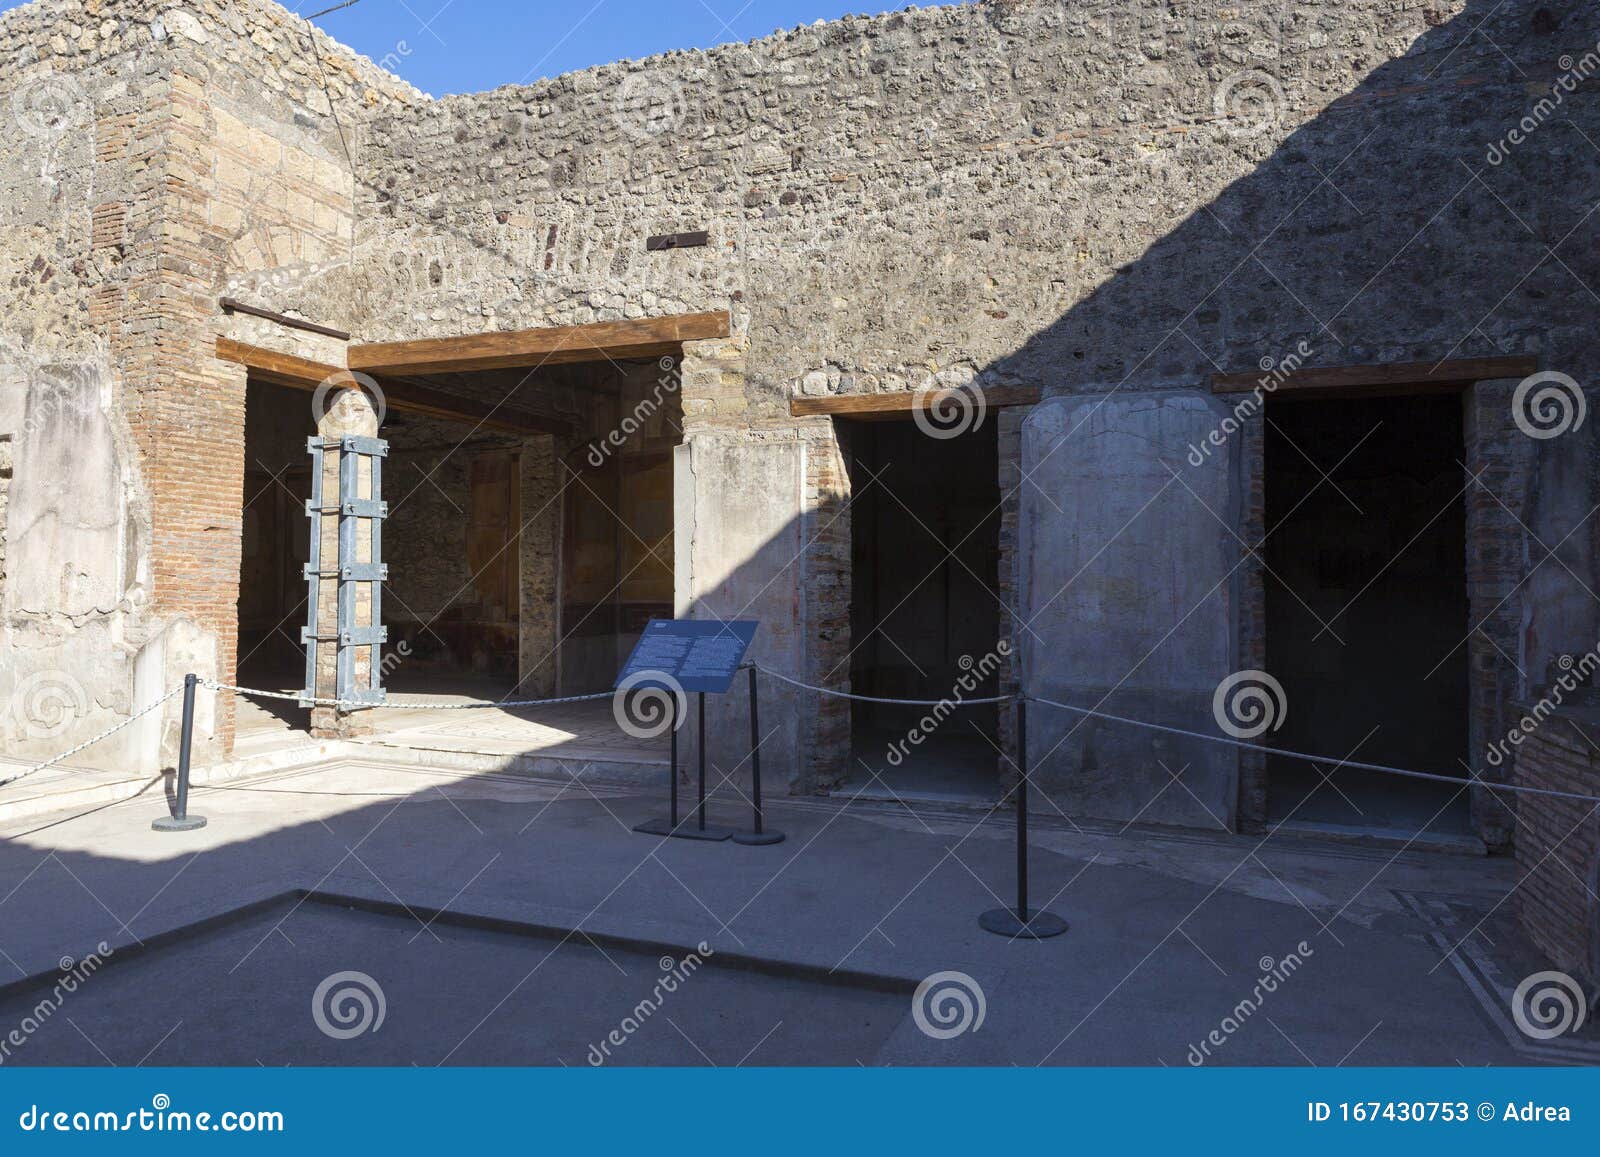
point(826, 578)
point(1503, 459)
point(1558, 840)
point(184, 408)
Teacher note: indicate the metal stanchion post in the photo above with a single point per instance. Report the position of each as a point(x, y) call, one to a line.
point(674, 726)
point(181, 820)
point(700, 807)
point(672, 825)
point(1023, 923)
point(760, 835)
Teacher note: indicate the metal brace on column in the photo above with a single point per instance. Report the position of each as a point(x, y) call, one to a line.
point(351, 511)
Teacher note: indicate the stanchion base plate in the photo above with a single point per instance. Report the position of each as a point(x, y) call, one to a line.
point(1004, 922)
point(758, 838)
point(177, 824)
point(686, 830)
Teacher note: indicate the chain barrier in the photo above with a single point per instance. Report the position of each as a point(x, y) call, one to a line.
point(1336, 762)
point(296, 697)
point(1339, 764)
point(51, 762)
point(874, 699)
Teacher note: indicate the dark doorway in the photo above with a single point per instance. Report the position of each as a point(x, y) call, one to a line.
point(925, 608)
point(616, 561)
point(272, 584)
point(1366, 601)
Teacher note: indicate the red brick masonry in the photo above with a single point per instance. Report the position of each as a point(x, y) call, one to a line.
point(1558, 840)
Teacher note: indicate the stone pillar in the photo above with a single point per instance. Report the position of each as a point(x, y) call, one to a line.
point(351, 413)
point(539, 567)
point(714, 384)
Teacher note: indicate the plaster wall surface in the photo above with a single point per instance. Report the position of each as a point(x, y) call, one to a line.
point(738, 536)
point(1130, 584)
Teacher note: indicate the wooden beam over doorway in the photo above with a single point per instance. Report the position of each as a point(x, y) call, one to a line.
point(304, 374)
point(1391, 378)
point(614, 340)
point(890, 407)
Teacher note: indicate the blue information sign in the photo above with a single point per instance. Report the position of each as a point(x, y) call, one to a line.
point(696, 654)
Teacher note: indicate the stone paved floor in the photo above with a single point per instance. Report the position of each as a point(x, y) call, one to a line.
point(568, 731)
point(1171, 931)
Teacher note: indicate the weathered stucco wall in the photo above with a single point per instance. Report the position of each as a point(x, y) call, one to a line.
point(164, 154)
point(74, 623)
point(1129, 575)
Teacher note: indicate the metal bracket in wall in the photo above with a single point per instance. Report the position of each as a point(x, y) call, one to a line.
point(677, 241)
point(233, 305)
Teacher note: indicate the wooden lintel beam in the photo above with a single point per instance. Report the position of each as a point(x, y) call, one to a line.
point(304, 374)
point(280, 368)
point(643, 337)
point(1394, 377)
point(885, 407)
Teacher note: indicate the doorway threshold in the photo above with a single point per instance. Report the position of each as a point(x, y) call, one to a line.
point(879, 792)
point(1448, 843)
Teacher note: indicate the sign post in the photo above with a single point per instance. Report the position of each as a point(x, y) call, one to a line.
point(679, 656)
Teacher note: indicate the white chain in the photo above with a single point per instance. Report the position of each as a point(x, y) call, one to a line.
point(143, 711)
point(1474, 780)
point(1338, 764)
point(875, 699)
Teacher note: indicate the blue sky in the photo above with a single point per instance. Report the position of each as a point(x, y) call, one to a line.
point(444, 46)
